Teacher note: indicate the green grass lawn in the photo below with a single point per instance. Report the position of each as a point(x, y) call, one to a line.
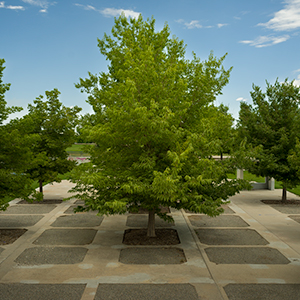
point(77, 150)
point(252, 177)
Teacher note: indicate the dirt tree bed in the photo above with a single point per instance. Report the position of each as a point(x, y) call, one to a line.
point(8, 236)
point(288, 202)
point(139, 237)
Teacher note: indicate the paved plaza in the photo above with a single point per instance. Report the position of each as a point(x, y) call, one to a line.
point(252, 251)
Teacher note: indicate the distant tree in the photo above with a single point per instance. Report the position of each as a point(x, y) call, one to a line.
point(221, 122)
point(54, 124)
point(272, 127)
point(154, 141)
point(14, 151)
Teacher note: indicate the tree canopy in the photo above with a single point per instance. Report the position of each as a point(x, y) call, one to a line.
point(272, 128)
point(154, 130)
point(54, 124)
point(15, 151)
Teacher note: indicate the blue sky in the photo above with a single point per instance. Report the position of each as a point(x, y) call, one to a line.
point(51, 44)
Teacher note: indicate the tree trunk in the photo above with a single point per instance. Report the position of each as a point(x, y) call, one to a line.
point(283, 199)
point(221, 155)
point(41, 186)
point(151, 224)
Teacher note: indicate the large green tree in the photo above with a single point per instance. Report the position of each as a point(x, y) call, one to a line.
point(55, 125)
point(272, 128)
point(153, 133)
point(15, 151)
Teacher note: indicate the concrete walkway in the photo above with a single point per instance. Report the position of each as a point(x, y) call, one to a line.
point(252, 251)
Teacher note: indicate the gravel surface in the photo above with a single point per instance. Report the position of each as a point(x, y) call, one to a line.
point(149, 255)
point(263, 291)
point(230, 237)
point(146, 292)
point(247, 255)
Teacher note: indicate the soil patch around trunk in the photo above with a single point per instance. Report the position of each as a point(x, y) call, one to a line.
point(44, 201)
point(139, 237)
point(279, 202)
point(8, 236)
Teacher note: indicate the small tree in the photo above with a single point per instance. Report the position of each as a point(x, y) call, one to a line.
point(272, 127)
point(153, 135)
point(54, 124)
point(14, 151)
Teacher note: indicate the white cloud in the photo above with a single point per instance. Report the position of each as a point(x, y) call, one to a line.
point(19, 7)
point(297, 81)
point(43, 4)
point(13, 7)
point(196, 24)
point(86, 7)
point(241, 99)
point(265, 41)
point(193, 24)
point(287, 18)
point(220, 25)
point(113, 12)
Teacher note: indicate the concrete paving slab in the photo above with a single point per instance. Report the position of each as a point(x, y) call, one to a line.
point(157, 255)
point(295, 218)
point(51, 255)
point(34, 209)
point(142, 221)
point(19, 291)
point(263, 291)
point(101, 263)
point(219, 221)
point(230, 237)
point(7, 221)
point(245, 255)
point(146, 292)
point(78, 220)
point(66, 237)
point(1, 250)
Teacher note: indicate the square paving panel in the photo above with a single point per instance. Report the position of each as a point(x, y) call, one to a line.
point(287, 209)
point(146, 292)
point(51, 255)
point(230, 237)
point(263, 291)
point(20, 291)
point(219, 221)
point(139, 237)
point(246, 255)
point(66, 237)
point(227, 210)
point(295, 218)
point(147, 255)
point(34, 209)
point(142, 221)
point(19, 220)
point(78, 220)
point(8, 236)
